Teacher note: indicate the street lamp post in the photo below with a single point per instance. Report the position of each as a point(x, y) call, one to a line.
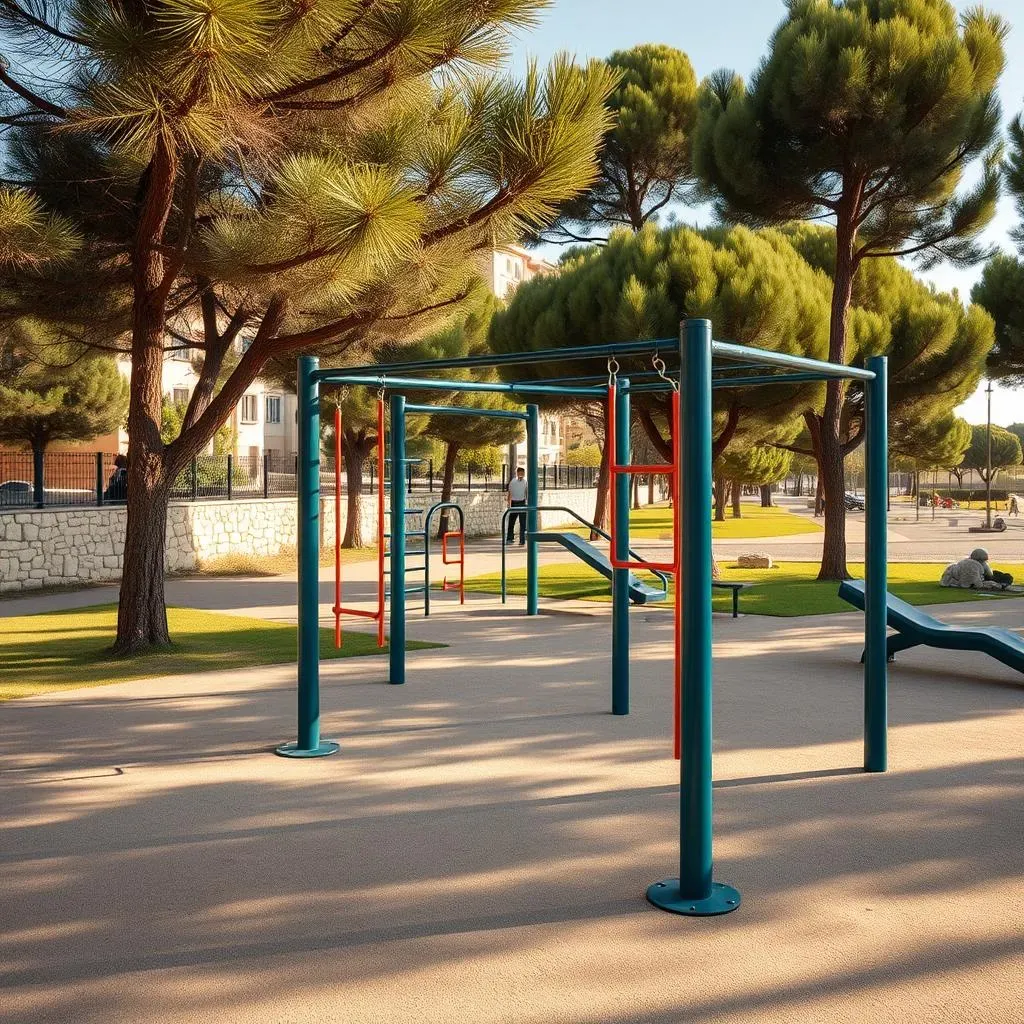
point(988, 462)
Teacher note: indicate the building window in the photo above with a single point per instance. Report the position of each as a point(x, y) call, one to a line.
point(249, 410)
point(180, 396)
point(273, 408)
point(182, 355)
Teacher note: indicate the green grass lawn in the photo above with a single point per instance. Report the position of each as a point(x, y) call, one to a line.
point(655, 523)
point(789, 589)
point(62, 650)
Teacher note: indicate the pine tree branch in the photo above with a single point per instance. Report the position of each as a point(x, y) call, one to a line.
point(44, 26)
point(335, 75)
point(30, 97)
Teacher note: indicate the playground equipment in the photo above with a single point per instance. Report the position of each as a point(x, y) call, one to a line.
point(448, 535)
point(639, 592)
point(694, 891)
point(915, 628)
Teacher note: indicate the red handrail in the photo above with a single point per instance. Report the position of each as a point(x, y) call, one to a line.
point(460, 562)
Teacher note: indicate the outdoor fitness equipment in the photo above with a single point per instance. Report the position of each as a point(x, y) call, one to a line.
point(694, 891)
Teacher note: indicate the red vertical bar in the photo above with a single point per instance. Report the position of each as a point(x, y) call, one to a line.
point(462, 564)
point(337, 526)
point(380, 522)
point(609, 444)
point(677, 576)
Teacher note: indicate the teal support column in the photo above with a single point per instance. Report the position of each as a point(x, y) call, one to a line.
point(309, 743)
point(620, 577)
point(397, 608)
point(694, 892)
point(532, 501)
point(876, 501)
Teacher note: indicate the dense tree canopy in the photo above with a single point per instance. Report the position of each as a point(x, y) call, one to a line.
point(322, 176)
point(43, 401)
point(867, 113)
point(1006, 451)
point(1001, 292)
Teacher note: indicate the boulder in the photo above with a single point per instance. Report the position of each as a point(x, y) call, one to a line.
point(755, 561)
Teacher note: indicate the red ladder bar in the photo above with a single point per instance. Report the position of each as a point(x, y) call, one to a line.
point(338, 608)
point(460, 562)
point(671, 470)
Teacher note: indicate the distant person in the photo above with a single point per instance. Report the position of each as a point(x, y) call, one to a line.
point(516, 498)
point(1014, 509)
point(974, 573)
point(117, 485)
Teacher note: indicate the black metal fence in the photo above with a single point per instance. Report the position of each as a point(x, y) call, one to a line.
point(61, 479)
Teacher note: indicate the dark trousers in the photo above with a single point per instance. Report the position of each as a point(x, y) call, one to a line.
point(521, 517)
point(1004, 579)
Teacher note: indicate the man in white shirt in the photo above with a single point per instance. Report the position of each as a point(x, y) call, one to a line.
point(516, 498)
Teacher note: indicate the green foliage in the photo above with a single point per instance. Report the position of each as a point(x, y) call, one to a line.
point(938, 443)
point(757, 464)
point(754, 286)
point(1006, 451)
point(867, 112)
point(645, 157)
point(1001, 292)
point(587, 455)
point(1018, 430)
point(173, 416)
point(43, 401)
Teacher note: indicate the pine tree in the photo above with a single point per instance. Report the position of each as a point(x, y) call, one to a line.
point(1006, 451)
point(646, 154)
point(1001, 292)
point(48, 394)
point(323, 177)
point(868, 113)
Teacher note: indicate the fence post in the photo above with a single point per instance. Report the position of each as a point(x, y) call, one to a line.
point(504, 467)
point(99, 478)
point(266, 474)
point(431, 466)
point(37, 478)
point(230, 468)
point(544, 477)
point(469, 477)
point(195, 478)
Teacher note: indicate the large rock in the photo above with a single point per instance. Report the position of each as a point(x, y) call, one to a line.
point(755, 562)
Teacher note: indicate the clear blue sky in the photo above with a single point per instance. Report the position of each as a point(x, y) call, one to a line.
point(734, 34)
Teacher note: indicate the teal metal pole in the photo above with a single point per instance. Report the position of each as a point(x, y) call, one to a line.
point(309, 743)
point(532, 501)
point(620, 577)
point(397, 609)
point(876, 501)
point(694, 892)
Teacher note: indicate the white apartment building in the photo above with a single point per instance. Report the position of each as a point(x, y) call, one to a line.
point(509, 265)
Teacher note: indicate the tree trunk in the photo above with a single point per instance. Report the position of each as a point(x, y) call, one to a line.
point(356, 446)
point(636, 491)
point(819, 498)
point(603, 478)
point(828, 448)
point(650, 488)
point(766, 496)
point(451, 455)
point(737, 500)
point(721, 494)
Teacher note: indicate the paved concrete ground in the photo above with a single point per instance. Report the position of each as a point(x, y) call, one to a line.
point(479, 850)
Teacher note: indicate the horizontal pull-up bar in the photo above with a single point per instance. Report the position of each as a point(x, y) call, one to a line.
point(422, 384)
point(765, 357)
point(550, 355)
point(461, 410)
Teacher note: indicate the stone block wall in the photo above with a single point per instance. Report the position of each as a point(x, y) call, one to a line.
point(54, 547)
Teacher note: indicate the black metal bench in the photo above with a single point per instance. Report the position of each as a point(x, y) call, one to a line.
point(735, 588)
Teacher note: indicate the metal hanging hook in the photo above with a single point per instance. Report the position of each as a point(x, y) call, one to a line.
point(613, 370)
point(659, 365)
point(382, 383)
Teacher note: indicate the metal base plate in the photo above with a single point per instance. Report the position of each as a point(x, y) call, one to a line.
point(665, 895)
point(325, 749)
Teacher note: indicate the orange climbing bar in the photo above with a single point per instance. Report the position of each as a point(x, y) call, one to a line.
point(460, 562)
point(338, 608)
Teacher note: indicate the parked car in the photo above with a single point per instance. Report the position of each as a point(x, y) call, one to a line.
point(853, 503)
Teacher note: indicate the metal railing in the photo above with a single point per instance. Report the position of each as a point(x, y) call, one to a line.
point(62, 479)
point(662, 577)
